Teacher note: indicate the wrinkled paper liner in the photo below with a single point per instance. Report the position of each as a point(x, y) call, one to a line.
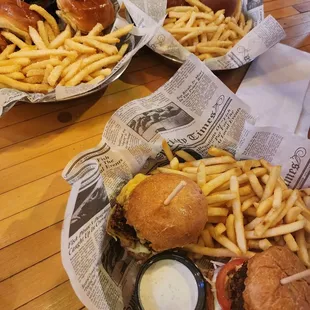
point(267, 33)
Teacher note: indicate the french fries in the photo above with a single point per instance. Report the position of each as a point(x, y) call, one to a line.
point(201, 175)
point(47, 57)
point(201, 243)
point(257, 187)
point(217, 211)
point(43, 32)
point(42, 88)
point(184, 155)
point(263, 244)
point(271, 184)
point(271, 217)
point(220, 180)
point(302, 247)
point(14, 39)
point(266, 205)
point(167, 150)
point(189, 175)
point(277, 231)
point(230, 226)
point(214, 161)
point(174, 163)
point(216, 252)
point(37, 39)
point(92, 68)
point(48, 17)
point(7, 51)
point(236, 206)
point(203, 32)
point(248, 205)
point(291, 243)
point(207, 239)
point(216, 152)
point(221, 239)
point(217, 197)
point(212, 169)
point(219, 229)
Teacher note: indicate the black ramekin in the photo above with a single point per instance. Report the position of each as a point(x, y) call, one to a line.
point(178, 256)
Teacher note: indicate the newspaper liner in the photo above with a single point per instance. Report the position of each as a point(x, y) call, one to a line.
point(267, 33)
point(193, 111)
point(136, 40)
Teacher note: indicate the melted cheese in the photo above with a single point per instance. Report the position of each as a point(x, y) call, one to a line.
point(139, 248)
point(129, 187)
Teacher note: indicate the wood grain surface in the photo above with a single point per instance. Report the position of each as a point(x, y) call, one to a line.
point(37, 141)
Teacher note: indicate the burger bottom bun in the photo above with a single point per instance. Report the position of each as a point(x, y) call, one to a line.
point(263, 289)
point(171, 226)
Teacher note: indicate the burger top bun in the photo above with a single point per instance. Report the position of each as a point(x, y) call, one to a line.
point(16, 16)
point(171, 226)
point(263, 289)
point(83, 15)
point(215, 5)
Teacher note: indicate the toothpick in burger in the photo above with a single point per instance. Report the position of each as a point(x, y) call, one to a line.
point(254, 284)
point(146, 225)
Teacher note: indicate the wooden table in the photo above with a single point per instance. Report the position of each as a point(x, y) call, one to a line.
point(37, 141)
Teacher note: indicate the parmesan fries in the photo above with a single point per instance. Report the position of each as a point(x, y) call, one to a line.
point(203, 32)
point(249, 205)
point(57, 57)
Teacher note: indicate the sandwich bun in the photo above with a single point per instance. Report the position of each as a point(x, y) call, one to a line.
point(83, 15)
point(263, 289)
point(166, 227)
point(16, 16)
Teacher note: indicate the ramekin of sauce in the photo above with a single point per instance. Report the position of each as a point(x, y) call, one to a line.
point(170, 281)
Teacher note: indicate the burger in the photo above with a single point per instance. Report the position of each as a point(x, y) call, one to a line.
point(145, 225)
point(83, 15)
point(16, 17)
point(254, 284)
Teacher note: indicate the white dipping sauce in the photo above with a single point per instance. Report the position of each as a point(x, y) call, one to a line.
point(167, 285)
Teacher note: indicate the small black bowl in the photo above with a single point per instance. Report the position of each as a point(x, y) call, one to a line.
point(178, 256)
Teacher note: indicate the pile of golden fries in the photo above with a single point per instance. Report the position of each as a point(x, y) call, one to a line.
point(250, 207)
point(203, 32)
point(47, 57)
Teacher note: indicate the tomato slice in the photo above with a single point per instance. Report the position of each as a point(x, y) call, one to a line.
point(223, 300)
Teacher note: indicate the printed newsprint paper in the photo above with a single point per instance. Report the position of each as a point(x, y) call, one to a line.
point(267, 33)
point(193, 111)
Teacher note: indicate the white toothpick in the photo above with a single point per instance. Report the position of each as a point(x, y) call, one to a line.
point(295, 277)
point(174, 192)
